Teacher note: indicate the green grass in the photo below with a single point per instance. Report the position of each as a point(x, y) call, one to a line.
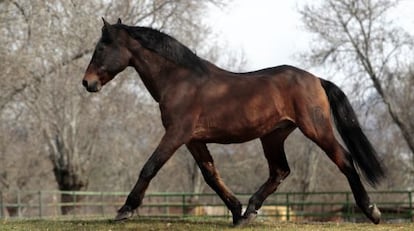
point(187, 224)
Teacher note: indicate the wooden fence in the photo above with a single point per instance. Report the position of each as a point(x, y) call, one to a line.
point(292, 206)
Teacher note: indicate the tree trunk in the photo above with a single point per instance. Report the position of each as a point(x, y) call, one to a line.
point(69, 180)
point(68, 167)
point(406, 131)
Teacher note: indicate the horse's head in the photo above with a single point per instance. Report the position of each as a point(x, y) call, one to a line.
point(110, 57)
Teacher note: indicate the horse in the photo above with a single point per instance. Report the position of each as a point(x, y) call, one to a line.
point(201, 103)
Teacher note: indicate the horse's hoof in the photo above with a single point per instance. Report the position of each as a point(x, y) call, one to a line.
point(246, 219)
point(124, 213)
point(375, 213)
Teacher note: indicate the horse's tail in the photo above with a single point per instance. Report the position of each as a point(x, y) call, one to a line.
point(362, 152)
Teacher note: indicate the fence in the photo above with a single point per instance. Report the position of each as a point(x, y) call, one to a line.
point(315, 206)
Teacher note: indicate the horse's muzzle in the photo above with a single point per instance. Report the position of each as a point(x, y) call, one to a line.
point(93, 86)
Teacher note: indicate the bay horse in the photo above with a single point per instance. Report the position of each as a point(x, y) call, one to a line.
point(201, 103)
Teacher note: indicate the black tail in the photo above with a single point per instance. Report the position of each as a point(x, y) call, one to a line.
point(362, 152)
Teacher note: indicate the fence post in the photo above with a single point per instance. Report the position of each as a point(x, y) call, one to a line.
point(410, 200)
point(102, 204)
point(40, 204)
point(167, 202)
point(19, 212)
point(74, 195)
point(287, 207)
point(348, 207)
point(58, 202)
point(183, 204)
point(1, 204)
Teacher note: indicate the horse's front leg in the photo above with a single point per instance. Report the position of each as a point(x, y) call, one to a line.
point(168, 145)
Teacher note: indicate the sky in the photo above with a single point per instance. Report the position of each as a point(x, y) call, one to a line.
point(270, 32)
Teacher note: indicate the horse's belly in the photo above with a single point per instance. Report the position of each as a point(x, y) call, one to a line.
point(224, 137)
point(233, 132)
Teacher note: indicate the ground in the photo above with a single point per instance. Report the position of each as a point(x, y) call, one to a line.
point(187, 224)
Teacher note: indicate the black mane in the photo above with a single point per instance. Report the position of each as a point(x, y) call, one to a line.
point(168, 47)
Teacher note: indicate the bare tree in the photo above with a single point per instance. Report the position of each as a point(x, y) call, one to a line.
point(359, 39)
point(45, 46)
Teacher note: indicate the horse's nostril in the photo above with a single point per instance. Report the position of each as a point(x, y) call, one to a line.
point(85, 83)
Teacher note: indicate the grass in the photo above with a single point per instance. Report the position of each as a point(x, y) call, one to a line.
point(187, 224)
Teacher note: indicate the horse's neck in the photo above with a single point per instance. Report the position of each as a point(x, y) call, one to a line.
point(153, 70)
point(149, 84)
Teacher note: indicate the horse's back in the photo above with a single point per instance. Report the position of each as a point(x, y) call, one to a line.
point(248, 105)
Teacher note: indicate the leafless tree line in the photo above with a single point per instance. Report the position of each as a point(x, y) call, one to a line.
point(45, 48)
point(360, 39)
point(54, 135)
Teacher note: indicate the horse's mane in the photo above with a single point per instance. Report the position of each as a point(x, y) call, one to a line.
point(168, 47)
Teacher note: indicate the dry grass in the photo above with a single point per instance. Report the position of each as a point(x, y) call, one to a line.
point(188, 224)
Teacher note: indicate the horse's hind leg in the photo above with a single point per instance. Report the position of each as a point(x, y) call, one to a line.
point(205, 161)
point(345, 163)
point(273, 147)
point(319, 129)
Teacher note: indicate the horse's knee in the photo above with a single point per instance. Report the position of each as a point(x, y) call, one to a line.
point(284, 172)
point(279, 175)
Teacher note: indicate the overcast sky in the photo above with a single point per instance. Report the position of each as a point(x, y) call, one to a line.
point(270, 31)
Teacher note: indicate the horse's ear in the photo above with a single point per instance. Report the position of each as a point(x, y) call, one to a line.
point(119, 21)
point(106, 35)
point(106, 24)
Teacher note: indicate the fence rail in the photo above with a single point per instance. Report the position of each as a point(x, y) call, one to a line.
point(315, 206)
